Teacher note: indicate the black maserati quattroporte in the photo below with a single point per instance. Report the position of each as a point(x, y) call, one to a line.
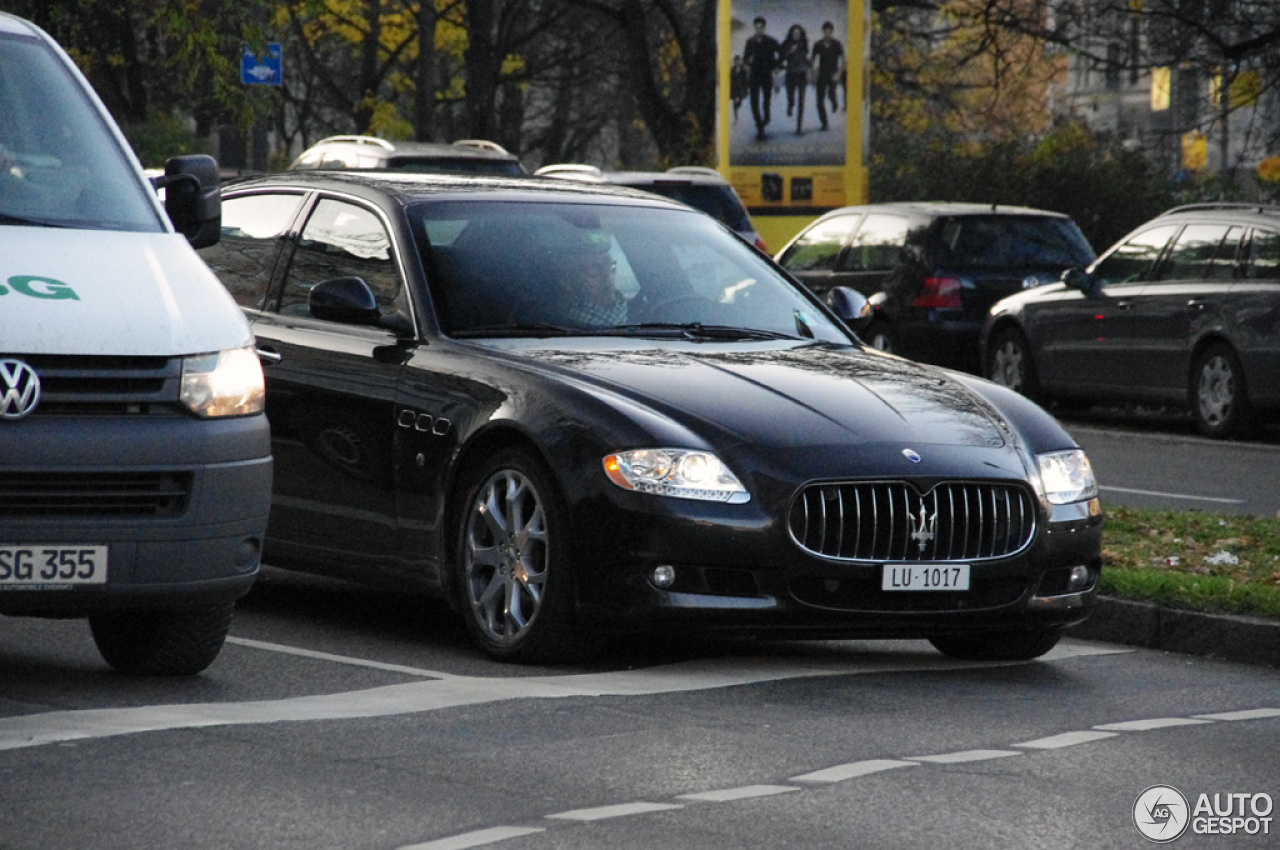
point(576, 410)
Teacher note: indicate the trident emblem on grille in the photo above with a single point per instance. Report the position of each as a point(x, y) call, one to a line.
point(922, 531)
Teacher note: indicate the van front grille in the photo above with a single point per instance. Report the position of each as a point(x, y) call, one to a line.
point(94, 494)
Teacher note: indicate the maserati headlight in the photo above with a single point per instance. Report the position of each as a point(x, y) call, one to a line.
point(224, 383)
point(1067, 477)
point(680, 473)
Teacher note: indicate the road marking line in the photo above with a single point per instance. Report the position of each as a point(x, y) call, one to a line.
point(965, 756)
point(1153, 723)
point(621, 810)
point(1066, 739)
point(1251, 714)
point(1185, 496)
point(340, 659)
point(449, 691)
point(479, 838)
point(852, 770)
point(746, 792)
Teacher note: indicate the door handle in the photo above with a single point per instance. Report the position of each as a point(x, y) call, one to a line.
point(1197, 304)
point(269, 355)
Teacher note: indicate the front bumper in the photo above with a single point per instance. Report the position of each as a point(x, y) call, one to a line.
point(750, 578)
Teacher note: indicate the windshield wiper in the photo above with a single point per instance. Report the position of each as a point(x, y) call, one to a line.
point(698, 330)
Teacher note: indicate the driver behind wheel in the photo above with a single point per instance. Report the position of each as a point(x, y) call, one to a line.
point(585, 285)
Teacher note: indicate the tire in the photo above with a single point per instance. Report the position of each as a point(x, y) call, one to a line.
point(880, 336)
point(1010, 364)
point(161, 643)
point(1016, 645)
point(513, 579)
point(1219, 398)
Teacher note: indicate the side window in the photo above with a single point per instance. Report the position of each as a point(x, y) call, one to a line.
point(1134, 259)
point(818, 249)
point(877, 246)
point(245, 255)
point(1203, 252)
point(1264, 256)
point(341, 240)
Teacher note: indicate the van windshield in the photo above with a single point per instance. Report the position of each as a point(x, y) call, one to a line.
point(60, 166)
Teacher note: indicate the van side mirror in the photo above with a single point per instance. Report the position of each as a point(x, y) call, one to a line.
point(193, 197)
point(850, 305)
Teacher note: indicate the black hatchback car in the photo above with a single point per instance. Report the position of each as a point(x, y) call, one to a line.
point(1184, 310)
point(572, 409)
point(932, 270)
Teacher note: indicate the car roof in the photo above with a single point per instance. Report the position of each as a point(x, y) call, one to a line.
point(408, 187)
point(944, 208)
point(690, 174)
point(1226, 210)
point(461, 150)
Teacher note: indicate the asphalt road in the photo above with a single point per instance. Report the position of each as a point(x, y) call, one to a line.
point(341, 717)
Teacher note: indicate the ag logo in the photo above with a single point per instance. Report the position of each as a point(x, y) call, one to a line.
point(1161, 813)
point(19, 389)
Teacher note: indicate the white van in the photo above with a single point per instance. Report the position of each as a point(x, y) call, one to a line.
point(135, 458)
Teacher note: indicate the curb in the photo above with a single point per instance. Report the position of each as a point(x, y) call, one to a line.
point(1250, 640)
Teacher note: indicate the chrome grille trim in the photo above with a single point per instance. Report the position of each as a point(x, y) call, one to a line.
point(892, 521)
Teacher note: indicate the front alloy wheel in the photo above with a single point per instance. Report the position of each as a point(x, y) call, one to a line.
point(1009, 363)
point(1218, 394)
point(514, 584)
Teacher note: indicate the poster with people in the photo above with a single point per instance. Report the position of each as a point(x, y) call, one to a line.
point(788, 122)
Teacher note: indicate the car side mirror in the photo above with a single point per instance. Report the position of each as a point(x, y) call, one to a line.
point(344, 299)
point(1078, 278)
point(850, 305)
point(193, 197)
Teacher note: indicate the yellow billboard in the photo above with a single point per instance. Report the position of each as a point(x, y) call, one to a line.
point(793, 108)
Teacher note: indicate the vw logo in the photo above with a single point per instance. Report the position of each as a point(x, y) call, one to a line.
point(911, 455)
point(19, 389)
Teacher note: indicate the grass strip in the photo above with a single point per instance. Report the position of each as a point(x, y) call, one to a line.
point(1194, 560)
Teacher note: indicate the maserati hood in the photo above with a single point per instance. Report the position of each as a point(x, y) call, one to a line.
point(803, 395)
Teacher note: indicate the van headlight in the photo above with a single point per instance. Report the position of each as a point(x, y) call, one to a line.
point(679, 473)
point(223, 383)
point(1067, 477)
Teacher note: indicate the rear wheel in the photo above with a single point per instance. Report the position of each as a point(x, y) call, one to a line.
point(161, 643)
point(1218, 394)
point(1013, 645)
point(514, 584)
point(1009, 363)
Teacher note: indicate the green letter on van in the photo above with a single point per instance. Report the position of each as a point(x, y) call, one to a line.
point(42, 287)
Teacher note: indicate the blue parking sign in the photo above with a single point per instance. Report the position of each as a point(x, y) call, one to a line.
point(266, 70)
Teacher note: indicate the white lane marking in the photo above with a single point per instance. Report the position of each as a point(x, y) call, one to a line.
point(872, 766)
point(746, 792)
point(1185, 496)
point(852, 770)
point(35, 730)
point(1066, 739)
point(1250, 714)
point(965, 756)
point(619, 811)
point(1153, 723)
point(479, 838)
point(339, 659)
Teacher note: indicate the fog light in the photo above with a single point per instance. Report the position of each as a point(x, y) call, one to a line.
point(663, 576)
point(1079, 578)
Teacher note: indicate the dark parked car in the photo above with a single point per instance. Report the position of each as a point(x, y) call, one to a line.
point(572, 409)
point(465, 156)
point(1184, 310)
point(701, 188)
point(932, 270)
